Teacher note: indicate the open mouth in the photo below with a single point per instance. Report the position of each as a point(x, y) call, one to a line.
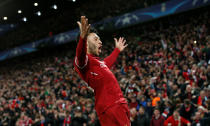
point(99, 48)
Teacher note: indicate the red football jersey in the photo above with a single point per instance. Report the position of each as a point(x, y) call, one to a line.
point(98, 76)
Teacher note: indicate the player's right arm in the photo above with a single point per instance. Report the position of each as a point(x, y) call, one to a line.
point(81, 50)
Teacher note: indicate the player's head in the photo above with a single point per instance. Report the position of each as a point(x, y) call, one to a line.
point(197, 115)
point(141, 110)
point(94, 43)
point(156, 112)
point(176, 114)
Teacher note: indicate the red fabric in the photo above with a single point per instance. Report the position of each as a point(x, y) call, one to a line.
point(67, 121)
point(117, 115)
point(99, 77)
point(21, 98)
point(174, 122)
point(133, 104)
point(199, 102)
point(157, 122)
point(50, 34)
point(81, 52)
point(30, 121)
point(186, 75)
point(64, 93)
point(43, 104)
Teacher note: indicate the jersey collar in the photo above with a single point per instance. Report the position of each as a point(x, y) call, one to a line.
point(94, 56)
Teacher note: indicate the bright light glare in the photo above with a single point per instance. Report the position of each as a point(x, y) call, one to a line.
point(5, 18)
point(55, 6)
point(24, 19)
point(35, 4)
point(19, 11)
point(39, 13)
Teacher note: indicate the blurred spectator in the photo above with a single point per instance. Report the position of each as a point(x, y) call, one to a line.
point(157, 118)
point(142, 118)
point(133, 116)
point(78, 119)
point(187, 110)
point(176, 120)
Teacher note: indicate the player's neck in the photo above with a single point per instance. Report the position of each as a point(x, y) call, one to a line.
point(93, 55)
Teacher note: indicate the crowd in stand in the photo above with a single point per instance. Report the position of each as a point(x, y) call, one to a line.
point(66, 20)
point(164, 75)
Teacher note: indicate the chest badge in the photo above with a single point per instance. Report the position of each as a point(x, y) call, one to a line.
point(102, 64)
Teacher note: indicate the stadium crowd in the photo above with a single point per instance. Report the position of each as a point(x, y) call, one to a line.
point(65, 20)
point(164, 74)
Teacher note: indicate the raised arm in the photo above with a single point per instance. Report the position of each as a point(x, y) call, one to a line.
point(81, 50)
point(120, 45)
point(185, 121)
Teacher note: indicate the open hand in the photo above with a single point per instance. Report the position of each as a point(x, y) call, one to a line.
point(84, 27)
point(120, 43)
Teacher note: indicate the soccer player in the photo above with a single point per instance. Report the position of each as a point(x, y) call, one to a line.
point(110, 105)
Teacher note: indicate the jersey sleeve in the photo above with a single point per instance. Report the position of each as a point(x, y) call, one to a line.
point(166, 122)
point(81, 58)
point(185, 121)
point(110, 60)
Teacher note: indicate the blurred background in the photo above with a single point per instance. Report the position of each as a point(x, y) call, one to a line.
point(164, 70)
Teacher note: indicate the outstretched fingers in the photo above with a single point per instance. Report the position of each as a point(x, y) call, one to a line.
point(79, 24)
point(116, 41)
point(125, 45)
point(120, 43)
point(84, 26)
point(124, 41)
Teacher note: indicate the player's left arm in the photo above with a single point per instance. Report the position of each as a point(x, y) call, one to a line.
point(120, 45)
point(185, 121)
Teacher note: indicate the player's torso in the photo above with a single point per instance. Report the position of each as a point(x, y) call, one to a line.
point(98, 73)
point(106, 88)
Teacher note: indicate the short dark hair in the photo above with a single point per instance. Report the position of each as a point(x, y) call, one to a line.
point(177, 109)
point(92, 30)
point(156, 108)
point(187, 101)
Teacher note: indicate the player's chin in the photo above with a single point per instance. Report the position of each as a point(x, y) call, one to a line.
point(99, 51)
point(97, 54)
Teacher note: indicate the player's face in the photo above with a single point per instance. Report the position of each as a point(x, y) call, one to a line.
point(94, 44)
point(156, 113)
point(176, 115)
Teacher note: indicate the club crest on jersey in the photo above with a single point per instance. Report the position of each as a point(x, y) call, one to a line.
point(102, 64)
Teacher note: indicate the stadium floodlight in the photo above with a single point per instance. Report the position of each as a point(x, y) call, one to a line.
point(39, 13)
point(55, 7)
point(19, 11)
point(5, 18)
point(36, 4)
point(24, 19)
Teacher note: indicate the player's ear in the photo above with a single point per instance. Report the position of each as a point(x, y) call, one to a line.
point(88, 38)
point(88, 41)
